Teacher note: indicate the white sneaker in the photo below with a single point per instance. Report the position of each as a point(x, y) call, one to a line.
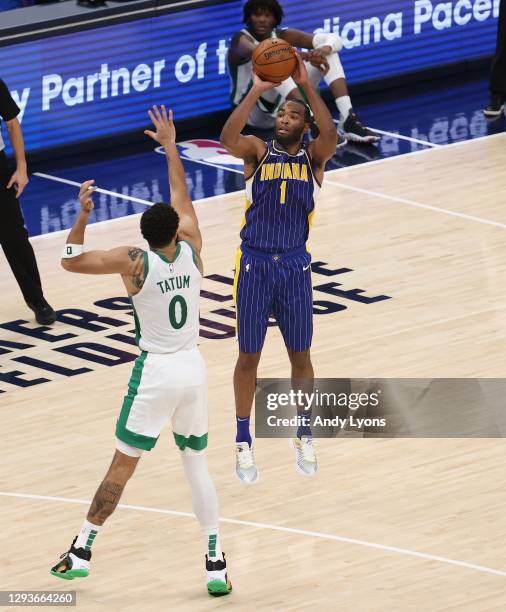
point(75, 563)
point(305, 456)
point(245, 466)
point(218, 582)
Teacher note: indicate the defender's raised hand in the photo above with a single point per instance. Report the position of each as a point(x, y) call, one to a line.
point(165, 131)
point(85, 193)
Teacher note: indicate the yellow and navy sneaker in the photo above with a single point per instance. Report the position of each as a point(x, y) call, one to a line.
point(218, 583)
point(75, 563)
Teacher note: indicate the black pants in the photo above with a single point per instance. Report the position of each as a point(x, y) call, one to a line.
point(14, 238)
point(498, 74)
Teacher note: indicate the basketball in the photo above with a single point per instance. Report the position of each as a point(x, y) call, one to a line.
point(274, 60)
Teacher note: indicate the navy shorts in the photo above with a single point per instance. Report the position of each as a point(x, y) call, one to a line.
point(267, 284)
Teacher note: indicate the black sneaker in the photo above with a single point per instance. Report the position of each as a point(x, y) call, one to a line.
point(496, 106)
point(218, 583)
point(75, 563)
point(44, 314)
point(354, 131)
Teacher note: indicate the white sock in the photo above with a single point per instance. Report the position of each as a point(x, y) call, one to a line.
point(87, 535)
point(344, 106)
point(205, 501)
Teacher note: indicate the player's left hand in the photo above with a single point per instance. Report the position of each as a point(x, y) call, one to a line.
point(85, 192)
point(19, 180)
point(300, 75)
point(164, 125)
point(318, 59)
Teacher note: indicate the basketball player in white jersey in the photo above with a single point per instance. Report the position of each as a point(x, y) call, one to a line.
point(263, 20)
point(168, 382)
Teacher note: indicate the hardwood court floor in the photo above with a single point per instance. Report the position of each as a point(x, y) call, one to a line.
point(445, 276)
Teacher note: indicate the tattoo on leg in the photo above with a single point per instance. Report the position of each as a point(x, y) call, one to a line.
point(106, 499)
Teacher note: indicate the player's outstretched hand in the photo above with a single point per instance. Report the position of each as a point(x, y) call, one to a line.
point(300, 75)
point(260, 85)
point(165, 131)
point(87, 188)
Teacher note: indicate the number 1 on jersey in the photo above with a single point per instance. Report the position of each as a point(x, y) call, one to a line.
point(283, 192)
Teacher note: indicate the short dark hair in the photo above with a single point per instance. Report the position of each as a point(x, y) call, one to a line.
point(159, 225)
point(308, 115)
point(253, 6)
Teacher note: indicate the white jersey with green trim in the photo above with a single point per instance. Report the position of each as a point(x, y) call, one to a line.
point(166, 309)
point(242, 79)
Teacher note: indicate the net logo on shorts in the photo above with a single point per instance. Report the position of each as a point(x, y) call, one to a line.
point(208, 151)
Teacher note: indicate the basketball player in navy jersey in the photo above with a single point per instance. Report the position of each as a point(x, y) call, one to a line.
point(273, 266)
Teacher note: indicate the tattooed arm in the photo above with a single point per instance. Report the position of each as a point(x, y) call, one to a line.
point(127, 261)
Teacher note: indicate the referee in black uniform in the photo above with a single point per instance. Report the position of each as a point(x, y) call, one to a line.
point(498, 72)
point(13, 234)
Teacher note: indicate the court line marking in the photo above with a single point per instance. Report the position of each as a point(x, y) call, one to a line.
point(444, 211)
point(58, 179)
point(239, 191)
point(206, 163)
point(220, 196)
point(399, 136)
point(417, 152)
point(409, 138)
point(292, 530)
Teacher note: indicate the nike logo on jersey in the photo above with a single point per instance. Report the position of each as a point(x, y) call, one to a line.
point(307, 267)
point(247, 267)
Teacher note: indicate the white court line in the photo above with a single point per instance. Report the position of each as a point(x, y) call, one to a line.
point(409, 138)
point(399, 136)
point(220, 196)
point(205, 163)
point(305, 532)
point(58, 179)
point(417, 152)
point(444, 211)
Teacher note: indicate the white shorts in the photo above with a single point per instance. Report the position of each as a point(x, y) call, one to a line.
point(166, 387)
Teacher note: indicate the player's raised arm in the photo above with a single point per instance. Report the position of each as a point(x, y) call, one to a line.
point(240, 50)
point(165, 134)
point(322, 148)
point(248, 148)
point(126, 261)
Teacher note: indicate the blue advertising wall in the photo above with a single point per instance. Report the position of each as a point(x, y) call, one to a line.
point(100, 81)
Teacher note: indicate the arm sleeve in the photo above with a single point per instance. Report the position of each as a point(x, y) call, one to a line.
point(8, 108)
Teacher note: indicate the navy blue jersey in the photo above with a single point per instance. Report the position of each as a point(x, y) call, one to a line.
point(279, 201)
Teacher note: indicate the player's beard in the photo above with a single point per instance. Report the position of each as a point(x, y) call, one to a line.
point(290, 138)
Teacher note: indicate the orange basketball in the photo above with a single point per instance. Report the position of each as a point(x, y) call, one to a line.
point(274, 60)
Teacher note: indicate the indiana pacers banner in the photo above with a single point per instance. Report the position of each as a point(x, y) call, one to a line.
point(98, 82)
